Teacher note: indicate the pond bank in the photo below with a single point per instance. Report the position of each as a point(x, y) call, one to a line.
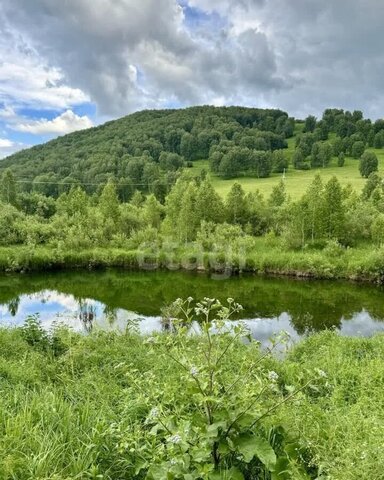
point(362, 265)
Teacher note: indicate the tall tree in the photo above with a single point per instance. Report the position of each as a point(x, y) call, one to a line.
point(188, 219)
point(209, 205)
point(8, 191)
point(153, 211)
point(310, 124)
point(278, 195)
point(334, 209)
point(109, 202)
point(237, 211)
point(315, 208)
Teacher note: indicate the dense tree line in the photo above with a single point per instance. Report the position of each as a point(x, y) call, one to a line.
point(193, 212)
point(338, 134)
point(146, 150)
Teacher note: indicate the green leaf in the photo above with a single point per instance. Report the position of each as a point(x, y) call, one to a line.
point(282, 470)
point(157, 472)
point(231, 474)
point(247, 419)
point(235, 474)
point(213, 430)
point(251, 445)
point(292, 450)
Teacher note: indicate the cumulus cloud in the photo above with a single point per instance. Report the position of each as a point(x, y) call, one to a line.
point(5, 143)
point(27, 79)
point(301, 55)
point(128, 55)
point(65, 123)
point(7, 147)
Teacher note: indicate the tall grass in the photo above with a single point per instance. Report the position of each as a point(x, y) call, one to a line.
point(65, 416)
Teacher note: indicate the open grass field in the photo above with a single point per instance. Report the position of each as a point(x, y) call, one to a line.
point(296, 181)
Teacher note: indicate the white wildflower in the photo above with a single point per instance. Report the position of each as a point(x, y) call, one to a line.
point(194, 371)
point(154, 413)
point(273, 376)
point(176, 439)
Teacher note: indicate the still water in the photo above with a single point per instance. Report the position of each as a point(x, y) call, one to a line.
point(111, 299)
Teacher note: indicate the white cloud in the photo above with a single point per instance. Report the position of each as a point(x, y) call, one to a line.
point(28, 80)
point(5, 143)
point(65, 123)
point(127, 55)
point(8, 147)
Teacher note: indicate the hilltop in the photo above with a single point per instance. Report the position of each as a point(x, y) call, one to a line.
point(148, 150)
point(143, 149)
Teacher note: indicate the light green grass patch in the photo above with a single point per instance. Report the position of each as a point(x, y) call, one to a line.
point(296, 181)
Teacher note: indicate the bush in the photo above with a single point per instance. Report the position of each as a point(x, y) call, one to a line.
point(368, 164)
point(341, 159)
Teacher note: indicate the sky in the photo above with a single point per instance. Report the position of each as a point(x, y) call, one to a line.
point(66, 65)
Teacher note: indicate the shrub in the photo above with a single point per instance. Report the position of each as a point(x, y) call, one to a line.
point(368, 164)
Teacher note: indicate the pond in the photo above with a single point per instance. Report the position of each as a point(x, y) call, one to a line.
point(110, 299)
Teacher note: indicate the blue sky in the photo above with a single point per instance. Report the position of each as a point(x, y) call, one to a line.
point(26, 123)
point(97, 60)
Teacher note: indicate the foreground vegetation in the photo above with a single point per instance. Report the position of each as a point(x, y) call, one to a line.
point(122, 406)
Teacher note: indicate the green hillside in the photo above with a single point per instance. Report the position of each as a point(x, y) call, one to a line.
point(143, 150)
point(148, 151)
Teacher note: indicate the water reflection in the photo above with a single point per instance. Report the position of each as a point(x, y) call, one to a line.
point(86, 314)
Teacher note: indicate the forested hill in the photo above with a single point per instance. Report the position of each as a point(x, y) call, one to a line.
point(145, 150)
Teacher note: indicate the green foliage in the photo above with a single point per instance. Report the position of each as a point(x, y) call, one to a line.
point(358, 149)
point(377, 230)
point(214, 428)
point(278, 195)
point(321, 154)
point(333, 209)
point(368, 164)
point(341, 159)
point(310, 124)
point(130, 407)
point(236, 205)
point(8, 193)
point(138, 151)
point(38, 338)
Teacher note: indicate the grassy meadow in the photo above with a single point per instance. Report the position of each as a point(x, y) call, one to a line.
point(296, 181)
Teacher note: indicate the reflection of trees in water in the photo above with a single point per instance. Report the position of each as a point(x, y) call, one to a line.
point(305, 323)
point(87, 315)
point(110, 314)
point(13, 306)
